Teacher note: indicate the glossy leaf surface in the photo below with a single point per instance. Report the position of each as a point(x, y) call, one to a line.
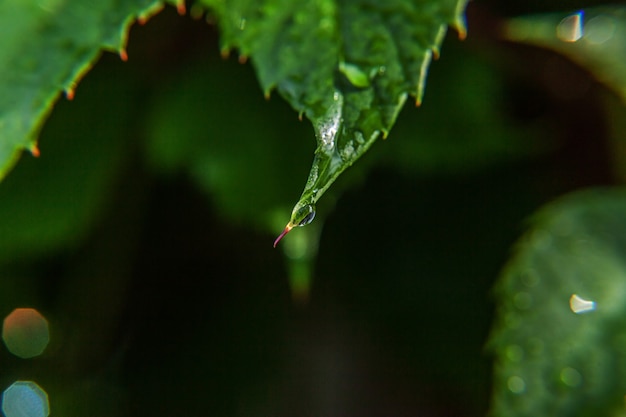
point(559, 338)
point(594, 38)
point(46, 47)
point(347, 65)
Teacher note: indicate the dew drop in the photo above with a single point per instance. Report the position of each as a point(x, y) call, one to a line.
point(304, 215)
point(347, 152)
point(328, 126)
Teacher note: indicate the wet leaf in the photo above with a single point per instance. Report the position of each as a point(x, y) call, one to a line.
point(46, 47)
point(347, 65)
point(559, 337)
point(594, 38)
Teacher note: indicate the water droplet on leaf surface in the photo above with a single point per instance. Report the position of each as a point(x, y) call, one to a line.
point(327, 127)
point(301, 216)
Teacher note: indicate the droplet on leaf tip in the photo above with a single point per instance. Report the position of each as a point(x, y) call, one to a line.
point(142, 20)
point(300, 116)
point(225, 53)
point(267, 95)
point(123, 54)
point(181, 8)
point(243, 59)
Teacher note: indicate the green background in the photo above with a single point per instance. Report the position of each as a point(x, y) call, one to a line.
point(141, 232)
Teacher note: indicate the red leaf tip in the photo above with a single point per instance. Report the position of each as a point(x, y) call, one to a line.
point(282, 235)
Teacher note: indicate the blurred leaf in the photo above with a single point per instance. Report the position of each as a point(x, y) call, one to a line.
point(52, 201)
point(236, 148)
point(46, 47)
point(464, 126)
point(594, 38)
point(348, 66)
point(211, 122)
point(559, 338)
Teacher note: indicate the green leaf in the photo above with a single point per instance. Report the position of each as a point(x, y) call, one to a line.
point(560, 333)
point(53, 202)
point(594, 38)
point(347, 65)
point(46, 47)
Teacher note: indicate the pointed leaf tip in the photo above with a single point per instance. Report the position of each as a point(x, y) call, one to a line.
point(34, 150)
point(286, 230)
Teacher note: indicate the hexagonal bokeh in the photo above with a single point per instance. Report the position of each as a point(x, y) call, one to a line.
point(25, 399)
point(25, 332)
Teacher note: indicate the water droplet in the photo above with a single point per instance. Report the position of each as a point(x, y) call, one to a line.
point(571, 377)
point(303, 215)
point(570, 29)
point(523, 300)
point(514, 353)
point(328, 126)
point(600, 29)
point(579, 305)
point(347, 152)
point(516, 384)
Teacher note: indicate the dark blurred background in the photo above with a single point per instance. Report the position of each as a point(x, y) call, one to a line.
point(144, 231)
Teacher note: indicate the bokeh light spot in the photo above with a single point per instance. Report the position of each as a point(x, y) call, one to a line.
point(600, 29)
point(25, 333)
point(571, 377)
point(516, 384)
point(579, 305)
point(571, 28)
point(25, 399)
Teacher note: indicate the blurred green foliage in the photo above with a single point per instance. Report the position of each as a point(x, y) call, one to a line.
point(143, 234)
